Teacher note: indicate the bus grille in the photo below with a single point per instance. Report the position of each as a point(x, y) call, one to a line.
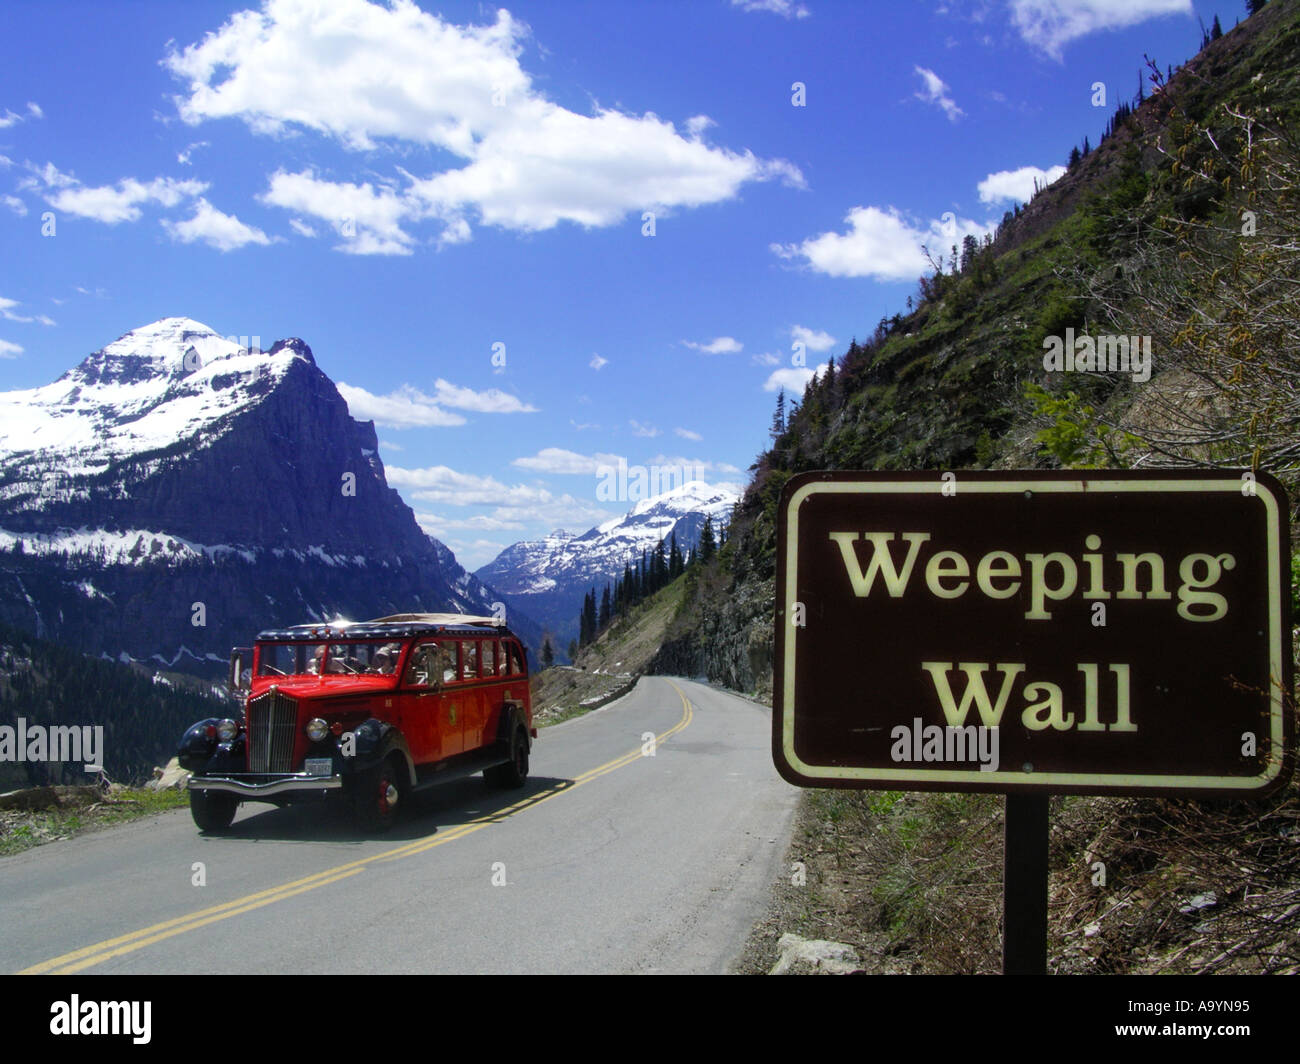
point(272, 728)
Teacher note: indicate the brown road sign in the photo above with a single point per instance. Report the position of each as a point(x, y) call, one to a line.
point(1107, 632)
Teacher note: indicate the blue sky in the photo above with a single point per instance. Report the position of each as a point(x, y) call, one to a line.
point(530, 241)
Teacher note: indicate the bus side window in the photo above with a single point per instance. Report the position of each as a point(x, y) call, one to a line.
point(469, 660)
point(417, 668)
point(488, 649)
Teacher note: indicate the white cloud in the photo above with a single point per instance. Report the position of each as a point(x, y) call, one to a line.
point(513, 505)
point(646, 431)
point(699, 465)
point(9, 118)
point(880, 244)
point(8, 350)
point(110, 204)
point(406, 408)
point(1049, 24)
point(184, 157)
point(7, 312)
point(767, 358)
point(1016, 185)
point(437, 525)
point(936, 92)
point(49, 175)
point(446, 485)
point(598, 363)
point(558, 460)
point(368, 219)
point(389, 445)
point(492, 401)
point(784, 8)
point(723, 345)
point(16, 205)
point(813, 339)
point(687, 434)
point(792, 380)
point(471, 553)
point(222, 231)
point(301, 228)
point(362, 73)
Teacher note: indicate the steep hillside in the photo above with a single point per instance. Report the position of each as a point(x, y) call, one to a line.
point(625, 650)
point(1182, 226)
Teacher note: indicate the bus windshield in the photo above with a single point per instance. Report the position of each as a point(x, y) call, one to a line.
point(374, 658)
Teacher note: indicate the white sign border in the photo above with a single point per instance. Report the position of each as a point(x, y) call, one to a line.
point(1043, 780)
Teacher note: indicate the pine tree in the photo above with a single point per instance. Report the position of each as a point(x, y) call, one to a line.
point(1254, 7)
point(969, 248)
point(573, 649)
point(548, 655)
point(589, 615)
point(708, 545)
point(675, 564)
point(605, 609)
point(1216, 30)
point(778, 418)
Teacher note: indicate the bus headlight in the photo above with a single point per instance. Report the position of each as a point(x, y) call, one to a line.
point(227, 730)
point(317, 729)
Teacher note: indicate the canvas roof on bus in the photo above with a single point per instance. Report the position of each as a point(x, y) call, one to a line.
point(397, 626)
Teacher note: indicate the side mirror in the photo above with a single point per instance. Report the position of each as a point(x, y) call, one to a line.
point(236, 670)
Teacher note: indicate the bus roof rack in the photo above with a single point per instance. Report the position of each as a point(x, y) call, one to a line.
point(438, 618)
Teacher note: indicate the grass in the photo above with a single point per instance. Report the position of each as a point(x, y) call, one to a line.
point(22, 829)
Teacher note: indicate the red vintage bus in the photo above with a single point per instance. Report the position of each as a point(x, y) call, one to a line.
point(374, 711)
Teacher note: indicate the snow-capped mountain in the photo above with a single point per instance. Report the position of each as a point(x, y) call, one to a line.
point(175, 492)
point(547, 578)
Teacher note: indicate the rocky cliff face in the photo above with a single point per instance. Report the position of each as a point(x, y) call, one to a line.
point(726, 641)
point(175, 493)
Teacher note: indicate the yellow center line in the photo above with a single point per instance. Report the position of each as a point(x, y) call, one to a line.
point(88, 956)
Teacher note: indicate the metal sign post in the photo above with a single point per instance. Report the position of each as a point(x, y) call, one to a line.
point(1024, 886)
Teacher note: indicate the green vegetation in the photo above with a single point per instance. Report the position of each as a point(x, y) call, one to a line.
point(78, 814)
point(143, 716)
point(1182, 225)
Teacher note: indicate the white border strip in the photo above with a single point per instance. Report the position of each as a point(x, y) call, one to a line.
point(1038, 779)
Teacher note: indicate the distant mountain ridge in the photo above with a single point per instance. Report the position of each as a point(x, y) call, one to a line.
point(175, 492)
point(548, 577)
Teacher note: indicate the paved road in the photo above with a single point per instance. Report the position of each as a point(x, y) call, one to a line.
point(607, 861)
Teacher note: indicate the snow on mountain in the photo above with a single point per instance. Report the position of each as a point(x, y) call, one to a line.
point(169, 381)
point(174, 469)
point(548, 577)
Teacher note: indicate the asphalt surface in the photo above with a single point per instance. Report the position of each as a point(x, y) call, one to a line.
point(608, 860)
